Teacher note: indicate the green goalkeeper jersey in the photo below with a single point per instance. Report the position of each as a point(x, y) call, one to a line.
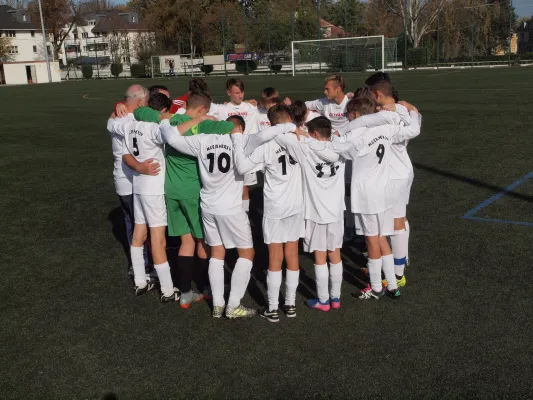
point(182, 180)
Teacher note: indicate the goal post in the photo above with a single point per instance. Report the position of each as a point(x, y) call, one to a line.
point(350, 54)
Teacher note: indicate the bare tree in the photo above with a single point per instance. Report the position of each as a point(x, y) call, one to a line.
point(5, 45)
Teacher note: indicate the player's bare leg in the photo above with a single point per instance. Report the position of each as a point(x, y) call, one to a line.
point(202, 269)
point(399, 242)
point(216, 277)
point(159, 254)
point(246, 198)
point(140, 233)
point(335, 277)
point(239, 283)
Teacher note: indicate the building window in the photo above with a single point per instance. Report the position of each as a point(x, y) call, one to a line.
point(85, 35)
point(32, 33)
point(10, 33)
point(75, 35)
point(126, 59)
point(85, 48)
point(35, 49)
point(13, 49)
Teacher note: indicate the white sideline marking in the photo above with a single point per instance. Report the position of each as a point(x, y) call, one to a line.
point(445, 73)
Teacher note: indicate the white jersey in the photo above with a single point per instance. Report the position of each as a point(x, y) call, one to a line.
point(283, 190)
point(122, 174)
point(401, 166)
point(143, 141)
point(245, 110)
point(222, 185)
point(336, 113)
point(323, 177)
point(369, 148)
point(260, 121)
point(310, 116)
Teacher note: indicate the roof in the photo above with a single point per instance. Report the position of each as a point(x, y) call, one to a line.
point(116, 20)
point(335, 30)
point(12, 19)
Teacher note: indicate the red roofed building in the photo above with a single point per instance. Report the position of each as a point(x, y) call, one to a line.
point(330, 31)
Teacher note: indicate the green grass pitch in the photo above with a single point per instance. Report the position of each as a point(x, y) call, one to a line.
point(72, 329)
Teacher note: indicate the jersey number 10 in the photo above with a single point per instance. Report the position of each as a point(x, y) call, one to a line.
point(223, 162)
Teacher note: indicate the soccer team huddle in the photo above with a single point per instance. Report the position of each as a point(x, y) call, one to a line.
point(332, 167)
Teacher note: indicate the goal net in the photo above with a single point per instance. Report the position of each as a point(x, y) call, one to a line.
point(351, 54)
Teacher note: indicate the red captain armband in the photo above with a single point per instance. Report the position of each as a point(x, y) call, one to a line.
point(178, 103)
point(115, 106)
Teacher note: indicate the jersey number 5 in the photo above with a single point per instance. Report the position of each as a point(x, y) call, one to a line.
point(135, 147)
point(380, 152)
point(223, 162)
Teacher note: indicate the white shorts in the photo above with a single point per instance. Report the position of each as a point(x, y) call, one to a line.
point(381, 224)
point(250, 179)
point(289, 229)
point(228, 230)
point(150, 210)
point(400, 190)
point(323, 237)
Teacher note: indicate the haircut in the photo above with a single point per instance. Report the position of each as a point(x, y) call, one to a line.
point(235, 82)
point(278, 114)
point(237, 120)
point(380, 81)
point(395, 95)
point(269, 95)
point(320, 125)
point(198, 85)
point(158, 101)
point(157, 88)
point(338, 79)
point(377, 77)
point(361, 92)
point(299, 111)
point(362, 105)
point(135, 92)
point(197, 99)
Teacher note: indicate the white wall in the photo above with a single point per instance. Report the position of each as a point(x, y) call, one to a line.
point(25, 42)
point(15, 74)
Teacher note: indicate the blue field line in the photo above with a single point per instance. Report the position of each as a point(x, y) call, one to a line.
point(470, 214)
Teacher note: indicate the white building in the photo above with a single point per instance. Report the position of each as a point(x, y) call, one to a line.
point(26, 63)
point(106, 37)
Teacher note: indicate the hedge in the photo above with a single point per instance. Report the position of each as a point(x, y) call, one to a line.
point(138, 70)
point(116, 69)
point(206, 69)
point(87, 71)
point(245, 66)
point(275, 68)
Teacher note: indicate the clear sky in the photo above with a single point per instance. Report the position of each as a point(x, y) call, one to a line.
point(524, 8)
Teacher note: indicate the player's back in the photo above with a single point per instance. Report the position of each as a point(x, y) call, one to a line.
point(142, 141)
point(283, 183)
point(222, 186)
point(324, 187)
point(121, 170)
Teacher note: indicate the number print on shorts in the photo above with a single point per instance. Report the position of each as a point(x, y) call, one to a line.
point(135, 147)
point(283, 161)
point(380, 152)
point(332, 168)
point(223, 162)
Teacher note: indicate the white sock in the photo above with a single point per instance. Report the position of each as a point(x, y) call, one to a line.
point(246, 205)
point(374, 270)
point(216, 279)
point(239, 281)
point(137, 262)
point(388, 271)
point(291, 284)
point(273, 287)
point(407, 231)
point(335, 277)
point(399, 248)
point(165, 279)
point(321, 277)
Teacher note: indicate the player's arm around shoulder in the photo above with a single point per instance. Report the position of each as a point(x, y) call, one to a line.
point(185, 144)
point(146, 114)
point(117, 125)
point(407, 132)
point(214, 127)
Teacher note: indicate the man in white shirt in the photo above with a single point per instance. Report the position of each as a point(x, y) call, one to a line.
point(283, 212)
point(143, 141)
point(401, 173)
point(225, 222)
point(124, 167)
point(371, 200)
point(302, 115)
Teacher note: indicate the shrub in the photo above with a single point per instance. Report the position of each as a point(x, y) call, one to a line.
point(417, 57)
point(275, 68)
point(138, 70)
point(87, 71)
point(116, 69)
point(245, 66)
point(206, 69)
